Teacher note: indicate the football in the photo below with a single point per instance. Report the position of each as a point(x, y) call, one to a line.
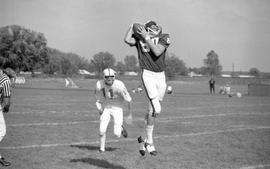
point(169, 90)
point(238, 94)
point(135, 30)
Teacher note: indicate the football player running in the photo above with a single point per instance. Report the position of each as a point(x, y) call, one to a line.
point(110, 94)
point(151, 46)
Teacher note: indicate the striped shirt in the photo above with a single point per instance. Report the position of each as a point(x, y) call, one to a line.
point(5, 86)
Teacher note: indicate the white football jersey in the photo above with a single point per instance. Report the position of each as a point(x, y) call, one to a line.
point(113, 95)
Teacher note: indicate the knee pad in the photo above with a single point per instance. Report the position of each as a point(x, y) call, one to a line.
point(102, 131)
point(117, 130)
point(156, 105)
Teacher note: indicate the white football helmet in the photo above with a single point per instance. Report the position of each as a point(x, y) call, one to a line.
point(109, 76)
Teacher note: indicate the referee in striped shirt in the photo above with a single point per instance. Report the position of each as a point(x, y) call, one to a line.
point(5, 92)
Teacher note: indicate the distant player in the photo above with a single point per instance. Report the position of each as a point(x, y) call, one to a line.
point(212, 86)
point(67, 82)
point(110, 94)
point(140, 89)
point(5, 93)
point(133, 90)
point(151, 45)
point(169, 90)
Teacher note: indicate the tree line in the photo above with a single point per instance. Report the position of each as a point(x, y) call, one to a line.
point(26, 50)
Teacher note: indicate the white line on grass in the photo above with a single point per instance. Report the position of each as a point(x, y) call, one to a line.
point(51, 124)
point(134, 139)
point(256, 166)
point(91, 107)
point(160, 119)
point(51, 112)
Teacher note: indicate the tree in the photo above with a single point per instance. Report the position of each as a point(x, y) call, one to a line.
point(211, 64)
point(66, 67)
point(175, 66)
point(65, 63)
point(254, 72)
point(120, 67)
point(131, 63)
point(103, 60)
point(200, 70)
point(22, 49)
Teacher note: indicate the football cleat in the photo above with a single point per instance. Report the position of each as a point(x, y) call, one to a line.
point(142, 146)
point(4, 162)
point(142, 151)
point(154, 114)
point(101, 151)
point(140, 139)
point(151, 149)
point(124, 132)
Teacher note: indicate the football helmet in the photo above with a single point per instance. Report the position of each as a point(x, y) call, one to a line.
point(109, 76)
point(153, 28)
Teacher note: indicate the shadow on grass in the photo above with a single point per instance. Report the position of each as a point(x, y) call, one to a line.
point(98, 163)
point(93, 148)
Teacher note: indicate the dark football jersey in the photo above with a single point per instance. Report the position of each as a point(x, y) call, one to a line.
point(147, 58)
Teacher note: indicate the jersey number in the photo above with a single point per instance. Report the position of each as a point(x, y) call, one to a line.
point(145, 47)
point(110, 93)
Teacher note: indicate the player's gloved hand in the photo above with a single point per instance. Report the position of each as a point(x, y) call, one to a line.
point(154, 114)
point(143, 32)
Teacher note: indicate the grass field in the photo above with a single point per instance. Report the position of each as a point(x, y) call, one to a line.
point(49, 127)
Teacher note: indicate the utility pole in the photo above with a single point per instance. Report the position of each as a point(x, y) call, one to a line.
point(232, 69)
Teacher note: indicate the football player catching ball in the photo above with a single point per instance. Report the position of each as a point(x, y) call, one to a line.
point(151, 46)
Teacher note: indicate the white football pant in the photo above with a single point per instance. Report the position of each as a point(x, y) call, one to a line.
point(117, 114)
point(155, 87)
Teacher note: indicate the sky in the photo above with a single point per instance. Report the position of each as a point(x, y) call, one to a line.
point(237, 30)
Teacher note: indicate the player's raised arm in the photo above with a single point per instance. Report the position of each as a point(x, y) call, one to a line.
point(129, 39)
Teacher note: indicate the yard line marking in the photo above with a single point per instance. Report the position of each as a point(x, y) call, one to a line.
point(51, 124)
point(51, 111)
point(214, 132)
point(222, 114)
point(256, 166)
point(94, 108)
point(160, 120)
point(134, 139)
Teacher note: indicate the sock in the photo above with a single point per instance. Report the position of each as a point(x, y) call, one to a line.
point(102, 142)
point(149, 134)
